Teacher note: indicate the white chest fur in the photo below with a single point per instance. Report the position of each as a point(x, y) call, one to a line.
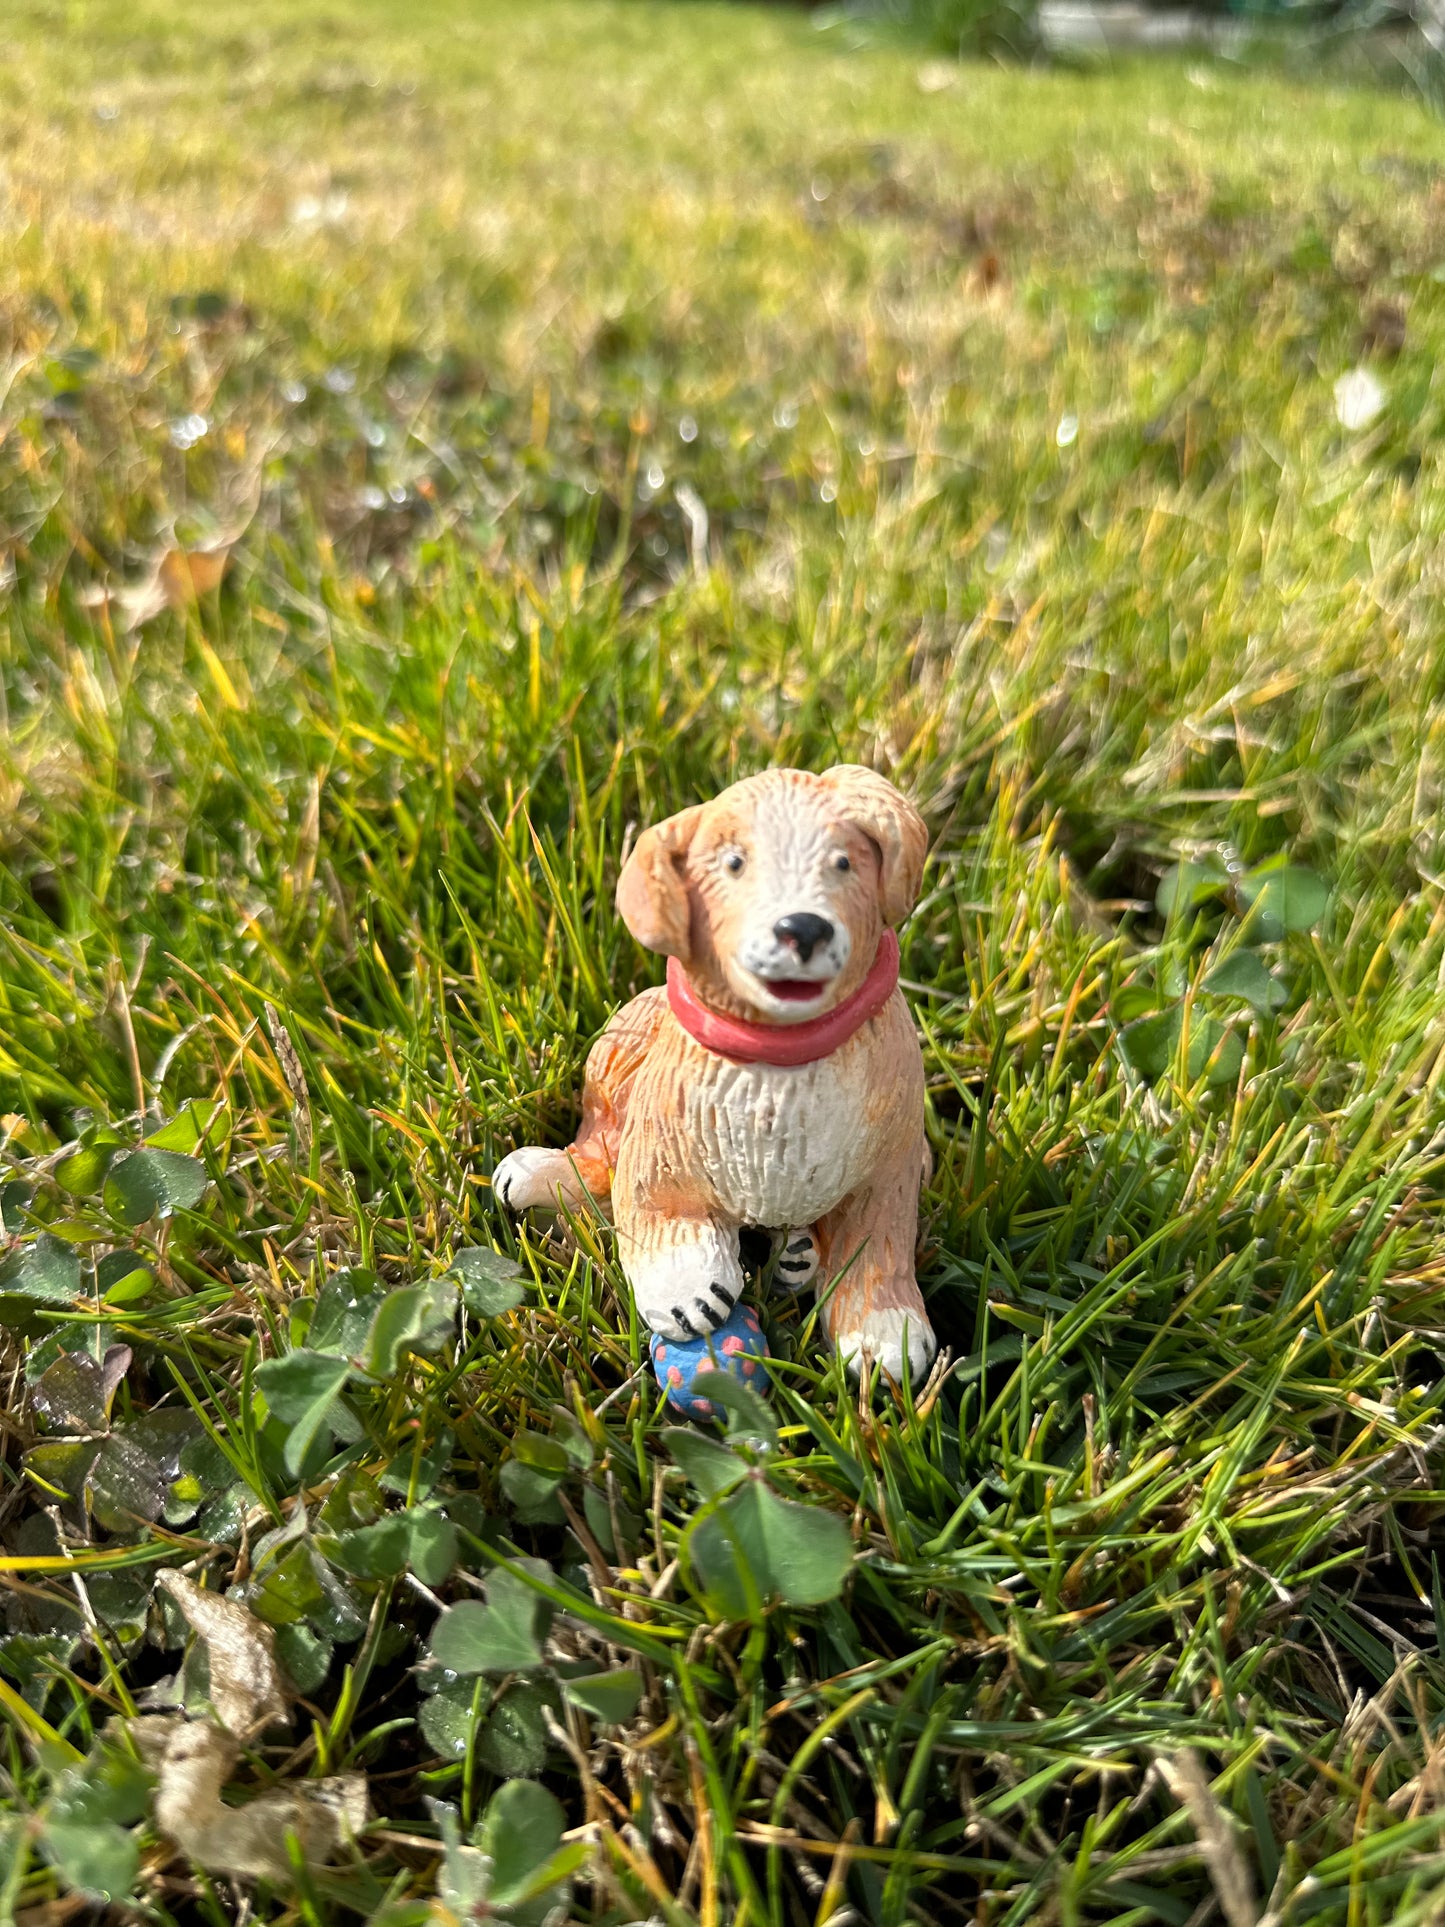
point(782, 1145)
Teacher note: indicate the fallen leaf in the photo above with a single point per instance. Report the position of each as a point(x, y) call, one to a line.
point(192, 1761)
point(247, 1686)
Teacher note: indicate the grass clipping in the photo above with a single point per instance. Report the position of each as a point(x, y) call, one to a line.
point(194, 1759)
point(1184, 1775)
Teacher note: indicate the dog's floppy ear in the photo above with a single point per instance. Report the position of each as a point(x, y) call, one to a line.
point(651, 899)
point(871, 803)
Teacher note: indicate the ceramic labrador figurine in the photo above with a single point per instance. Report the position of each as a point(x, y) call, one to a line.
point(776, 1081)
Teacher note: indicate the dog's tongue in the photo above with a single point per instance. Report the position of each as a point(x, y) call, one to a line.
point(795, 990)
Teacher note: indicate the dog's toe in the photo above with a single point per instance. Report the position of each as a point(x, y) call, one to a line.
point(693, 1317)
point(503, 1179)
point(686, 1291)
point(714, 1306)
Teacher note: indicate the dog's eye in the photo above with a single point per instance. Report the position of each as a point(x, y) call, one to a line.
point(841, 863)
point(733, 862)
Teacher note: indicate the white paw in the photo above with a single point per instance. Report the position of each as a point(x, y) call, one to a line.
point(797, 1260)
point(530, 1176)
point(885, 1338)
point(687, 1290)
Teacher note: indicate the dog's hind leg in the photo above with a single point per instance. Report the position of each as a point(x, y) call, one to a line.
point(582, 1173)
point(873, 1309)
point(538, 1175)
point(796, 1259)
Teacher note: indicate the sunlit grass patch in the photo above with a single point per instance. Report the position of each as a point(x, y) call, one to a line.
point(433, 446)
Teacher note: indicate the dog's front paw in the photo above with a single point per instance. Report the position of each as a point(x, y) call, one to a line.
point(687, 1291)
point(691, 1316)
point(886, 1338)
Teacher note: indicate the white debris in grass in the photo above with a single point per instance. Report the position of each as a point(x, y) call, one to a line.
point(1359, 397)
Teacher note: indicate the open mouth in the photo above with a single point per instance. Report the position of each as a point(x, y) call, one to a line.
point(795, 990)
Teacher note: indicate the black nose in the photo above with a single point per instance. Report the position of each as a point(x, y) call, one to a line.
point(803, 931)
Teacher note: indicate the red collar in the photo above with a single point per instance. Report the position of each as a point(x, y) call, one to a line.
point(784, 1043)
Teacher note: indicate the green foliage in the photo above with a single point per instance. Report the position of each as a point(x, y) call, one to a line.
point(958, 28)
point(151, 1183)
point(517, 1867)
point(301, 1390)
point(490, 1283)
point(754, 1547)
point(1284, 898)
point(85, 1829)
point(504, 1636)
point(709, 1465)
point(751, 1546)
point(1241, 974)
point(356, 1331)
point(531, 1868)
point(1271, 902)
point(610, 1697)
point(356, 602)
point(44, 1268)
point(97, 1860)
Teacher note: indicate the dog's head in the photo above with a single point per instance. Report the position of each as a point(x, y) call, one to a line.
point(775, 894)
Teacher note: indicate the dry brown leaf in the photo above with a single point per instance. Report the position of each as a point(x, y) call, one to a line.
point(248, 1688)
point(192, 1761)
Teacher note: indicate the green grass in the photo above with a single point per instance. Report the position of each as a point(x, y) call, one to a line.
point(468, 299)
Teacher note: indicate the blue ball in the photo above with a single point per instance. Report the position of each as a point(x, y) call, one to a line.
point(734, 1347)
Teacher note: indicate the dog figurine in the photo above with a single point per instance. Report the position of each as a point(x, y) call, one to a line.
point(776, 1081)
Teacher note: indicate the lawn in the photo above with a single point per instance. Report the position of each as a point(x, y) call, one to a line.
point(438, 439)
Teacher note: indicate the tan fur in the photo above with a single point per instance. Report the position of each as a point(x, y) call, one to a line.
point(688, 1144)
